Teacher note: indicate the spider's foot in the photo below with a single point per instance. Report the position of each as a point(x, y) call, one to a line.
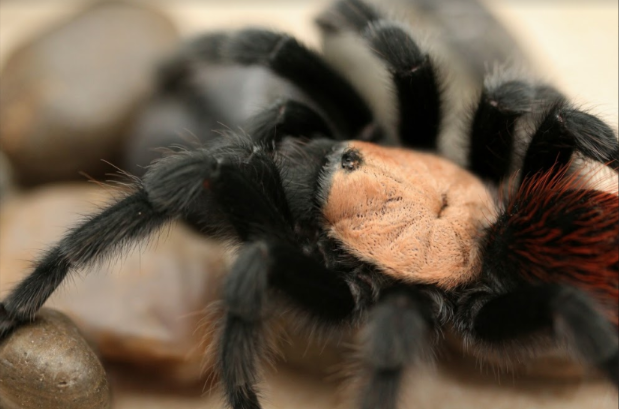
point(7, 323)
point(243, 396)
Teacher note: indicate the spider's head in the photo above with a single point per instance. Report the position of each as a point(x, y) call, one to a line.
point(414, 215)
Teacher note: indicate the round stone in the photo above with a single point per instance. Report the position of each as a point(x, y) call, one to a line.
point(48, 364)
point(67, 97)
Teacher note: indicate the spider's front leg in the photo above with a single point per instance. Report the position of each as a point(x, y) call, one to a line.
point(171, 187)
point(397, 333)
point(251, 192)
point(263, 267)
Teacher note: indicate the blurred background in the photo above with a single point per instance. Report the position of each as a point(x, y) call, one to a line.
point(78, 96)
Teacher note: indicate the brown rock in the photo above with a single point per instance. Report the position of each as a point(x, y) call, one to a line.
point(66, 96)
point(47, 364)
point(145, 308)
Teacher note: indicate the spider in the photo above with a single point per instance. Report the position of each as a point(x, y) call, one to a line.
point(351, 218)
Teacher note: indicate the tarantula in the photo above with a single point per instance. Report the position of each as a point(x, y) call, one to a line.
point(516, 253)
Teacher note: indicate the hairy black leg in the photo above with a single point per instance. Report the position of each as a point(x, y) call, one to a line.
point(242, 338)
point(287, 118)
point(498, 112)
point(569, 314)
point(563, 131)
point(250, 190)
point(416, 83)
point(168, 188)
point(287, 58)
point(232, 185)
point(397, 332)
point(261, 266)
point(246, 183)
point(129, 219)
point(413, 73)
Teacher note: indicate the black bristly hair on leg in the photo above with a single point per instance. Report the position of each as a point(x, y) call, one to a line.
point(169, 187)
point(571, 317)
point(560, 131)
point(131, 218)
point(242, 340)
point(287, 118)
point(286, 57)
point(262, 267)
point(251, 190)
point(413, 73)
point(247, 184)
point(493, 130)
point(416, 83)
point(395, 335)
point(563, 131)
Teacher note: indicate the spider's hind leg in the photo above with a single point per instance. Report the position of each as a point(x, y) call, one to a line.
point(550, 269)
point(501, 108)
point(564, 131)
point(571, 317)
point(505, 111)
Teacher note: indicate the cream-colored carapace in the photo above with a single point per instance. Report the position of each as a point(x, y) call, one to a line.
point(415, 215)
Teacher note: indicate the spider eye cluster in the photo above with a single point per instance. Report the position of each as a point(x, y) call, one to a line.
point(351, 160)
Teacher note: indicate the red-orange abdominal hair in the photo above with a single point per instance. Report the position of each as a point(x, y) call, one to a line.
point(555, 229)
